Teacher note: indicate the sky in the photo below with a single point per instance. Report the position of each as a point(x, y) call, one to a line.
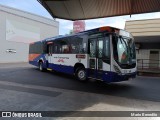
point(33, 6)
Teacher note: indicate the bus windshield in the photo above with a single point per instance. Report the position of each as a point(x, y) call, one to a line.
point(124, 51)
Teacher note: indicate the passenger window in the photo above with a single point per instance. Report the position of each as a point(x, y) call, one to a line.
point(58, 47)
point(50, 50)
point(55, 49)
point(65, 49)
point(76, 45)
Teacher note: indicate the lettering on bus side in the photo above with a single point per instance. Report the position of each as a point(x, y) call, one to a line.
point(61, 60)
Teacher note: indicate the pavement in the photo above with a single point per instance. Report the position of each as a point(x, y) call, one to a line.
point(24, 88)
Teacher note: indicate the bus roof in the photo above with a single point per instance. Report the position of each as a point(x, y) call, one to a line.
point(100, 29)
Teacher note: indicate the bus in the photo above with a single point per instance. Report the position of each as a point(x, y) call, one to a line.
point(106, 53)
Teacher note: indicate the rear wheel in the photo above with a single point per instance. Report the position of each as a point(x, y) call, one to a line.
point(41, 66)
point(81, 74)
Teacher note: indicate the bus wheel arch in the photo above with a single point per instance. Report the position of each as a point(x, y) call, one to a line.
point(80, 72)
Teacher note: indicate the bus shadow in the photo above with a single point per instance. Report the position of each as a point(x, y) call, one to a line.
point(121, 89)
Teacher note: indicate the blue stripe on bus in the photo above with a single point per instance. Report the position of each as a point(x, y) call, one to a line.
point(39, 57)
point(107, 76)
point(36, 60)
point(62, 68)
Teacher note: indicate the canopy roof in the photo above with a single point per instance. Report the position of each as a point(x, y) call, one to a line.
point(89, 9)
point(147, 39)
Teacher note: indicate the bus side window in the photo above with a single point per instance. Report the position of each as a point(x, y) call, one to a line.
point(58, 47)
point(49, 46)
point(50, 49)
point(47, 49)
point(65, 49)
point(76, 45)
point(44, 48)
point(55, 49)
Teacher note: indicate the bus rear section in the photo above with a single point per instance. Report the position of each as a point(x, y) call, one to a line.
point(36, 55)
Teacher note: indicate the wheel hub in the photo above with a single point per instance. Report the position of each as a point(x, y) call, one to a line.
point(81, 74)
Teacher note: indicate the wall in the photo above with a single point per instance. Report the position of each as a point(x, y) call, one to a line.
point(18, 29)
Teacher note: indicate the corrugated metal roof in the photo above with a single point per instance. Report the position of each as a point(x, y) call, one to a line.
point(147, 39)
point(89, 9)
point(144, 31)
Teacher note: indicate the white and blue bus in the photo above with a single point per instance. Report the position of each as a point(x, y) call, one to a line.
point(106, 53)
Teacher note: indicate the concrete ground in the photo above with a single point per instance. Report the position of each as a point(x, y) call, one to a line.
point(24, 88)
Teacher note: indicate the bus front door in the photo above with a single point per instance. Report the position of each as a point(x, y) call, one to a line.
point(95, 58)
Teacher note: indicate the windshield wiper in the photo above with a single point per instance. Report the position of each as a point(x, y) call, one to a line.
point(124, 42)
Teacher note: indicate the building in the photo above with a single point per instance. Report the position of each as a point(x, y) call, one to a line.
point(147, 37)
point(18, 29)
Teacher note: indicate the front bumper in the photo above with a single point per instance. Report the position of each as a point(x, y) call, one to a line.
point(115, 77)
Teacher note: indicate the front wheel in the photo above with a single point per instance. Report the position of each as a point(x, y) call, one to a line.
point(81, 74)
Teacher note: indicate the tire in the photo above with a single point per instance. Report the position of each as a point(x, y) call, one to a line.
point(41, 66)
point(81, 74)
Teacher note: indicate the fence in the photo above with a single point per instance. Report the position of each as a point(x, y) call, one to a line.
point(150, 64)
